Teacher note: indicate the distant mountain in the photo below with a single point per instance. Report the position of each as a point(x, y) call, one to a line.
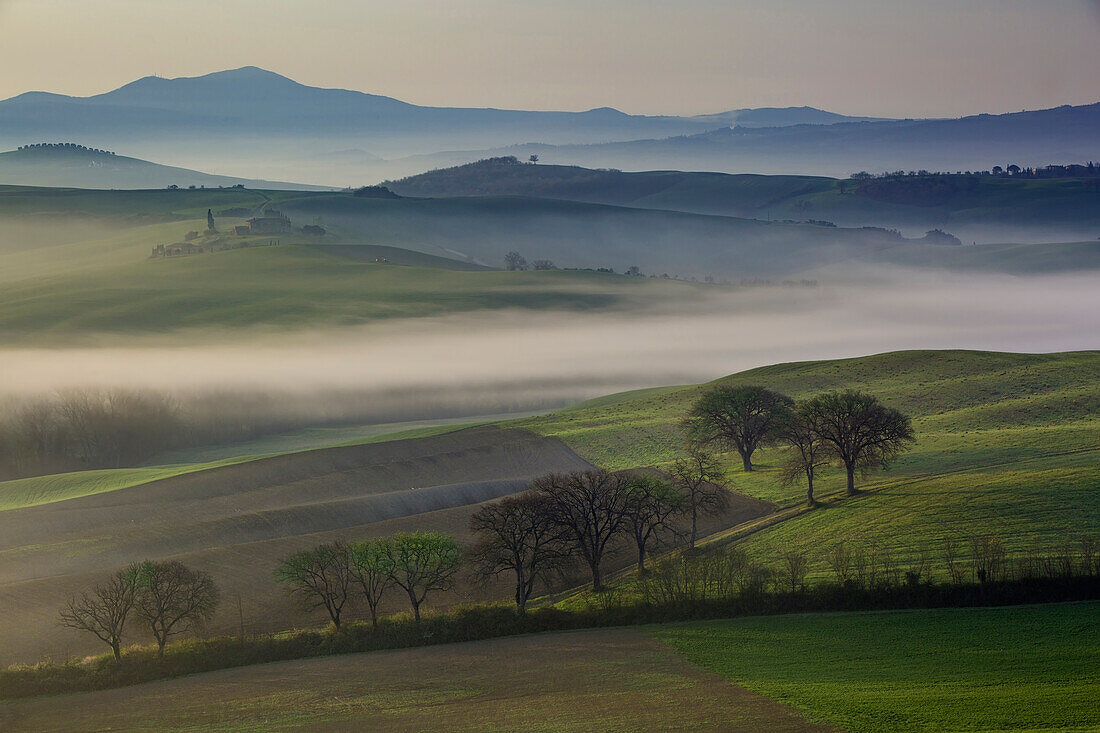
point(1060, 135)
point(276, 126)
point(779, 117)
point(264, 125)
point(74, 166)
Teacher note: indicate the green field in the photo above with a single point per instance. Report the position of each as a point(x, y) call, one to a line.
point(110, 286)
point(1007, 444)
point(1021, 668)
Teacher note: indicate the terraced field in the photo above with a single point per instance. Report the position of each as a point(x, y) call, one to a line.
point(236, 521)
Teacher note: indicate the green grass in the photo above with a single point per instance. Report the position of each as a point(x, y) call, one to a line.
point(111, 286)
point(1021, 668)
point(1008, 444)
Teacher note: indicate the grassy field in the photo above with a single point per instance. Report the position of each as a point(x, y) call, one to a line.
point(1007, 445)
point(1020, 668)
point(110, 286)
point(602, 680)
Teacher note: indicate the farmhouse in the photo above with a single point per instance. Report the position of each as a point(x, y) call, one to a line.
point(271, 222)
point(179, 249)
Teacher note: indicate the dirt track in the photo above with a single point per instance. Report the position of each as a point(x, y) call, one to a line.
point(614, 680)
point(236, 521)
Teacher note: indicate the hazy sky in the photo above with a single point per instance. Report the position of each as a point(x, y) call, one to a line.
point(879, 57)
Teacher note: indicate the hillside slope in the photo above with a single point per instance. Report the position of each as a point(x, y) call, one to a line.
point(1007, 445)
point(80, 167)
point(237, 520)
point(975, 207)
point(1066, 134)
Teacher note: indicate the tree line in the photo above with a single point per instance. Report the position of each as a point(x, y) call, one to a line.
point(850, 428)
point(560, 522)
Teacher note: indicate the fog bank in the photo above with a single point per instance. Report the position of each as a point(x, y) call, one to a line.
point(518, 360)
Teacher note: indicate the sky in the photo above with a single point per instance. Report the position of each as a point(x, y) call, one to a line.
point(898, 58)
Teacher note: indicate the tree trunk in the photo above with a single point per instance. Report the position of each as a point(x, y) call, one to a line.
point(851, 479)
point(597, 581)
point(160, 647)
point(116, 650)
point(373, 617)
point(641, 558)
point(746, 460)
point(416, 606)
point(694, 525)
point(521, 591)
point(810, 489)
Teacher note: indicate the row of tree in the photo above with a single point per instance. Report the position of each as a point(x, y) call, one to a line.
point(166, 597)
point(562, 520)
point(851, 428)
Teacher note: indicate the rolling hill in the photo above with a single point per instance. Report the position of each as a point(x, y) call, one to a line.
point(976, 207)
point(1066, 134)
point(72, 166)
point(236, 518)
point(1021, 467)
point(1007, 445)
point(62, 247)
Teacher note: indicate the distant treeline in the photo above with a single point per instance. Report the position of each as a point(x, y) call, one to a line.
point(89, 429)
point(85, 429)
point(63, 146)
point(1072, 170)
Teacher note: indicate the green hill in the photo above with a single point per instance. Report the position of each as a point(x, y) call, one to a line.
point(1007, 445)
point(119, 290)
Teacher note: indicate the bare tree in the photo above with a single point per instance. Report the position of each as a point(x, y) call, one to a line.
point(515, 261)
point(543, 265)
point(743, 417)
point(172, 598)
point(839, 558)
point(861, 432)
point(517, 534)
point(590, 506)
point(807, 450)
point(104, 611)
point(794, 568)
point(421, 563)
point(320, 577)
point(650, 504)
point(698, 476)
point(371, 565)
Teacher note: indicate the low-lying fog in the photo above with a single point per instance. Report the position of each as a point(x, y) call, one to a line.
point(522, 360)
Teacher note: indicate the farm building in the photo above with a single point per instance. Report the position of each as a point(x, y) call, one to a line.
point(271, 222)
point(178, 249)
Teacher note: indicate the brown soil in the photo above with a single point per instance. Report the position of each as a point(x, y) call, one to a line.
point(617, 680)
point(237, 521)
